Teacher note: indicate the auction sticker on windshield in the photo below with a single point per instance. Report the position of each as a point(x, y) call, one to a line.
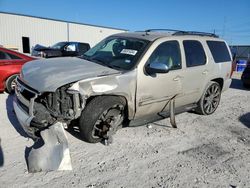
point(128, 51)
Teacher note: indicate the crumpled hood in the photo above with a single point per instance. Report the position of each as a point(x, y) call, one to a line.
point(49, 74)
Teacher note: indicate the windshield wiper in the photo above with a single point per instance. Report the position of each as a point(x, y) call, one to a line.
point(85, 57)
point(92, 59)
point(100, 62)
point(114, 66)
point(107, 64)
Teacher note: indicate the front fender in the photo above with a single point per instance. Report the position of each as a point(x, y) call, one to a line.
point(123, 85)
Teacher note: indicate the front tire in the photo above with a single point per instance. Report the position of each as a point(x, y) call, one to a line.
point(102, 115)
point(210, 99)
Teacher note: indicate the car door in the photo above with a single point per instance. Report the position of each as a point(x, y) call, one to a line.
point(195, 72)
point(7, 66)
point(14, 59)
point(154, 91)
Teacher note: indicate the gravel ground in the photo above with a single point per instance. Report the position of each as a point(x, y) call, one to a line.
point(205, 151)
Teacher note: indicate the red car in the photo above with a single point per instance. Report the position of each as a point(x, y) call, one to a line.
point(10, 66)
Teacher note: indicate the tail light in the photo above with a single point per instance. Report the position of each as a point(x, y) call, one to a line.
point(233, 67)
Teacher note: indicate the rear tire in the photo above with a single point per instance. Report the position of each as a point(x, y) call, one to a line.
point(9, 84)
point(101, 115)
point(210, 99)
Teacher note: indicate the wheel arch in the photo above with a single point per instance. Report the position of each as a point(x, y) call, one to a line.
point(220, 81)
point(128, 111)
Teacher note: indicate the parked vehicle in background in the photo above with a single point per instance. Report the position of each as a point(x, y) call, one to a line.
point(245, 77)
point(61, 49)
point(136, 77)
point(11, 63)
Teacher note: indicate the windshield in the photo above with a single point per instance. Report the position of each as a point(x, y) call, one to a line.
point(59, 45)
point(116, 52)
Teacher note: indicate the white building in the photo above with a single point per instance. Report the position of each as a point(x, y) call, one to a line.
point(22, 32)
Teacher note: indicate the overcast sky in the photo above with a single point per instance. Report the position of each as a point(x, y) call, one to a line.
point(228, 18)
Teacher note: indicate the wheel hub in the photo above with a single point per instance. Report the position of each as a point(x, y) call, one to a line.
point(211, 101)
point(108, 122)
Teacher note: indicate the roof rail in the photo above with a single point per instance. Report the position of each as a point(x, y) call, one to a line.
point(196, 33)
point(180, 32)
point(168, 30)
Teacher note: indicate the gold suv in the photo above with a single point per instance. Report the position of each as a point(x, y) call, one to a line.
point(129, 78)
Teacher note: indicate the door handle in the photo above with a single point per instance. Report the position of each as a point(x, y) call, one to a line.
point(177, 78)
point(205, 72)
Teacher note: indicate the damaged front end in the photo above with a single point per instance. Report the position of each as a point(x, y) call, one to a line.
point(46, 109)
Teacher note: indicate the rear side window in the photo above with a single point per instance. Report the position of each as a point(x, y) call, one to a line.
point(194, 53)
point(219, 51)
point(13, 56)
point(83, 48)
point(3, 56)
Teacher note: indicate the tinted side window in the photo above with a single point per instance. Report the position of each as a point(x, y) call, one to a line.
point(70, 48)
point(83, 48)
point(219, 51)
point(13, 56)
point(3, 56)
point(167, 53)
point(194, 53)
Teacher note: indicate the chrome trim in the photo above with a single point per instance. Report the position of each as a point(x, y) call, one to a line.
point(24, 119)
point(31, 106)
point(28, 103)
point(21, 98)
point(150, 101)
point(25, 87)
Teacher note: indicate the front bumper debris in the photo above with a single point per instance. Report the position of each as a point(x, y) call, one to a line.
point(54, 152)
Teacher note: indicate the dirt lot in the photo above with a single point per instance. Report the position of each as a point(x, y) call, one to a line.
point(205, 151)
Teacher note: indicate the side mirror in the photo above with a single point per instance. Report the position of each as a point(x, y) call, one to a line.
point(153, 68)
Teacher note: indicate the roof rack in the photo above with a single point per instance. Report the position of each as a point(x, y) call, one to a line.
point(196, 33)
point(168, 30)
point(180, 32)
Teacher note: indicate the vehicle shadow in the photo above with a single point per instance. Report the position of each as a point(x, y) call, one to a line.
point(12, 117)
point(73, 129)
point(161, 125)
point(237, 84)
point(1, 155)
point(245, 119)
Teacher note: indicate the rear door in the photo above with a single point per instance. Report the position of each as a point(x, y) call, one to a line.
point(9, 64)
point(195, 74)
point(8, 58)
